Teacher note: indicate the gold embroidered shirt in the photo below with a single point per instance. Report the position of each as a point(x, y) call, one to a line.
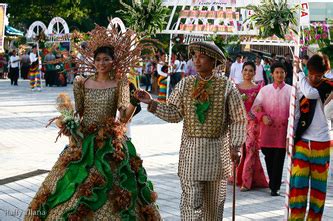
point(204, 151)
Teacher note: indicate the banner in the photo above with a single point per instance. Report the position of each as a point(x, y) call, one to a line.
point(213, 2)
point(305, 14)
point(2, 25)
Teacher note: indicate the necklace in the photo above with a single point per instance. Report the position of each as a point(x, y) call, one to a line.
point(203, 79)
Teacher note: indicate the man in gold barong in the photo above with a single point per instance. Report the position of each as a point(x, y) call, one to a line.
point(214, 129)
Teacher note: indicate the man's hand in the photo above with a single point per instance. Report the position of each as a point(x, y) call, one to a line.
point(267, 120)
point(143, 96)
point(235, 155)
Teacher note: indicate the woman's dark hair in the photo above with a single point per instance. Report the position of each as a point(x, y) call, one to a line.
point(251, 63)
point(109, 50)
point(278, 65)
point(319, 63)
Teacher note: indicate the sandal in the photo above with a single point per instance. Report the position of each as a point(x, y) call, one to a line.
point(244, 189)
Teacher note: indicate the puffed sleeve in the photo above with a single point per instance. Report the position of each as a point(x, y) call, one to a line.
point(123, 93)
point(78, 90)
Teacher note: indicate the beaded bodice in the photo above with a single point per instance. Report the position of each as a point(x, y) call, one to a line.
point(99, 104)
point(96, 105)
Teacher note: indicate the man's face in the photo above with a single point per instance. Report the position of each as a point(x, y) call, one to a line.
point(279, 75)
point(239, 59)
point(203, 63)
point(314, 78)
point(288, 57)
point(304, 61)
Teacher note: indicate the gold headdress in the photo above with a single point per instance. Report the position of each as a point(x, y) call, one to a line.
point(126, 46)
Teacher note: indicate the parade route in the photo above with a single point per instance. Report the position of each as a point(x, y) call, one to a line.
point(28, 151)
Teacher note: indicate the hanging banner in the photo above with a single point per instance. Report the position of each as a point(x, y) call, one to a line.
point(305, 14)
point(2, 25)
point(214, 2)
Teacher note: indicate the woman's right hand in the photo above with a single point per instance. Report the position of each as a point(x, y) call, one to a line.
point(143, 96)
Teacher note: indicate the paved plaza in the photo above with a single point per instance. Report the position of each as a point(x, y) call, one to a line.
point(28, 151)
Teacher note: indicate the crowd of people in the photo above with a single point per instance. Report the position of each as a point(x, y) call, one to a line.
point(52, 64)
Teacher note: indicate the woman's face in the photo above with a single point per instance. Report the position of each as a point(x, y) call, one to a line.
point(248, 72)
point(279, 75)
point(103, 63)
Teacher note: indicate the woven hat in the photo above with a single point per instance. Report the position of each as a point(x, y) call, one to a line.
point(208, 48)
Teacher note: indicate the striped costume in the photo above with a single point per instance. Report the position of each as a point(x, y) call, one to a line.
point(162, 82)
point(310, 161)
point(34, 75)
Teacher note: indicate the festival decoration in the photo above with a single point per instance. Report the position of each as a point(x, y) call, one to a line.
point(273, 17)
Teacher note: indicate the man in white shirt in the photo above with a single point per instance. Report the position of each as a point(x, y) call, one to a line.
point(177, 73)
point(14, 68)
point(259, 77)
point(311, 151)
point(190, 69)
point(236, 70)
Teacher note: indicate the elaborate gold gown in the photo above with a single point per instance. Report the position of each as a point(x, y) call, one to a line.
point(100, 177)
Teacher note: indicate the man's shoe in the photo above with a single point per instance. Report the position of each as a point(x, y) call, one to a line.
point(275, 193)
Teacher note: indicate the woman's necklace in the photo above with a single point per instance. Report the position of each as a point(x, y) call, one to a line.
point(203, 79)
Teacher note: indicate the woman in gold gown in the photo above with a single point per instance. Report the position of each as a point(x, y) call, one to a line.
point(98, 177)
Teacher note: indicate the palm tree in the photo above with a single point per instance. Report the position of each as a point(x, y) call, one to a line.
point(147, 17)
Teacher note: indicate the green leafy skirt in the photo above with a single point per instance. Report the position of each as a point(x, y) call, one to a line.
point(103, 179)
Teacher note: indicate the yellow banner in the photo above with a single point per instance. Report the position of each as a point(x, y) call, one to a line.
point(2, 25)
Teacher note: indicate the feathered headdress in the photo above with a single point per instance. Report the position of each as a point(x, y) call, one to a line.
point(127, 49)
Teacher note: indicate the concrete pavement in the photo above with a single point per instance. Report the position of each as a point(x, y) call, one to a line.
point(27, 150)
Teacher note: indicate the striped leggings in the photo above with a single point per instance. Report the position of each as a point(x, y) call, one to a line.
point(310, 162)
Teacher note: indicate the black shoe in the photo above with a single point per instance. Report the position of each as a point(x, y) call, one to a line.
point(275, 193)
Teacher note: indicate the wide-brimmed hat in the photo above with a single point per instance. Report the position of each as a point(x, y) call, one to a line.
point(208, 48)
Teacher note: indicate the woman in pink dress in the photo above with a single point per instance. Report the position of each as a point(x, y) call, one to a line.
point(250, 173)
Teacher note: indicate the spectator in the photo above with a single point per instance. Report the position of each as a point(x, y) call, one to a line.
point(305, 60)
point(25, 65)
point(260, 75)
point(14, 62)
point(3, 63)
point(50, 70)
point(236, 70)
point(227, 67)
point(147, 74)
point(289, 68)
point(190, 69)
point(177, 72)
point(267, 70)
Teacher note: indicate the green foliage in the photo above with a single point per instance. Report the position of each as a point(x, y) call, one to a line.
point(273, 18)
point(145, 16)
point(226, 42)
point(82, 14)
point(328, 50)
